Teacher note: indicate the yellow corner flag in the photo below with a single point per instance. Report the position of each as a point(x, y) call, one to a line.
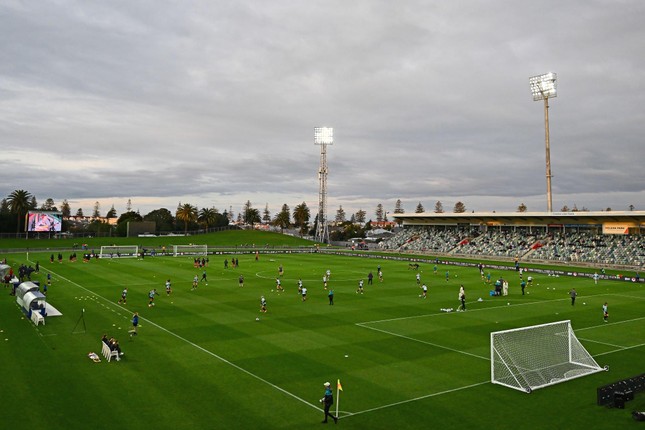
point(339, 388)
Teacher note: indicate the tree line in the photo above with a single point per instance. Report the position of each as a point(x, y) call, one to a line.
point(14, 208)
point(188, 217)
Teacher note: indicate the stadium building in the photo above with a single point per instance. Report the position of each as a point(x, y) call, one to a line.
point(603, 239)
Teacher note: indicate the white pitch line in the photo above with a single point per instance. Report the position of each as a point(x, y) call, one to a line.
point(469, 311)
point(483, 309)
point(222, 359)
point(241, 369)
point(417, 398)
point(610, 324)
point(628, 296)
point(620, 350)
point(602, 343)
point(424, 342)
point(371, 328)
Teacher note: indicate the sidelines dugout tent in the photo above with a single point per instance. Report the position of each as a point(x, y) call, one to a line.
point(4, 270)
point(30, 299)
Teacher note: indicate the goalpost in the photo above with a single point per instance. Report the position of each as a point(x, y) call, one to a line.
point(121, 251)
point(533, 357)
point(190, 250)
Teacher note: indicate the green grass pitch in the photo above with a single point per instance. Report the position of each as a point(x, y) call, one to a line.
point(202, 360)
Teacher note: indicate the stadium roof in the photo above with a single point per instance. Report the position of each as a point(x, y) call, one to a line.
point(635, 218)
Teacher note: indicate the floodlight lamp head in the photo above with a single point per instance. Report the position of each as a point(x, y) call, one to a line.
point(544, 86)
point(323, 136)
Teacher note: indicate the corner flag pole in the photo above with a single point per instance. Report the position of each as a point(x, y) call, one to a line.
point(339, 388)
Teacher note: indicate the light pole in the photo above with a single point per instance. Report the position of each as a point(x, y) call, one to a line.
point(543, 87)
point(323, 136)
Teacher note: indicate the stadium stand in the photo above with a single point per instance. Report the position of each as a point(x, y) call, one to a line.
point(528, 244)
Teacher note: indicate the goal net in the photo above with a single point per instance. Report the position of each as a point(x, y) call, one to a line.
point(533, 357)
point(123, 251)
point(179, 250)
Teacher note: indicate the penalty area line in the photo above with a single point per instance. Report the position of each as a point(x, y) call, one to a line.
point(620, 350)
point(423, 341)
point(611, 324)
point(602, 343)
point(470, 311)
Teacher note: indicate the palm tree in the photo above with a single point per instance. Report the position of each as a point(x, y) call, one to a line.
point(301, 217)
point(283, 218)
point(19, 203)
point(208, 217)
point(250, 215)
point(186, 213)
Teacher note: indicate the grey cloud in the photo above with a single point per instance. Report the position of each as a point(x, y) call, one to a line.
point(216, 102)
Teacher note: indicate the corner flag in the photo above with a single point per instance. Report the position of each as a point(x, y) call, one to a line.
point(339, 388)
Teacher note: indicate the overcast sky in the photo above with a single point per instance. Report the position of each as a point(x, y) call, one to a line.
point(214, 103)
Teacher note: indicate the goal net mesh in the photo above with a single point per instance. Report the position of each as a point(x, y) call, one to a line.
point(533, 357)
point(123, 251)
point(179, 250)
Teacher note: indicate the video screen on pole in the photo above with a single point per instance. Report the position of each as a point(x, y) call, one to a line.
point(44, 221)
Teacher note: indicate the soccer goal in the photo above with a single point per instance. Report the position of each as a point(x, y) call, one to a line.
point(190, 250)
point(122, 251)
point(533, 357)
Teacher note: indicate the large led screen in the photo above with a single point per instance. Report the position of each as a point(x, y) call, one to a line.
point(44, 221)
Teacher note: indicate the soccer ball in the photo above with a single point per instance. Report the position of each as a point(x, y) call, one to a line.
point(257, 318)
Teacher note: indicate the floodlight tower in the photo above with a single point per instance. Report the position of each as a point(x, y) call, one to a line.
point(543, 87)
point(323, 136)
